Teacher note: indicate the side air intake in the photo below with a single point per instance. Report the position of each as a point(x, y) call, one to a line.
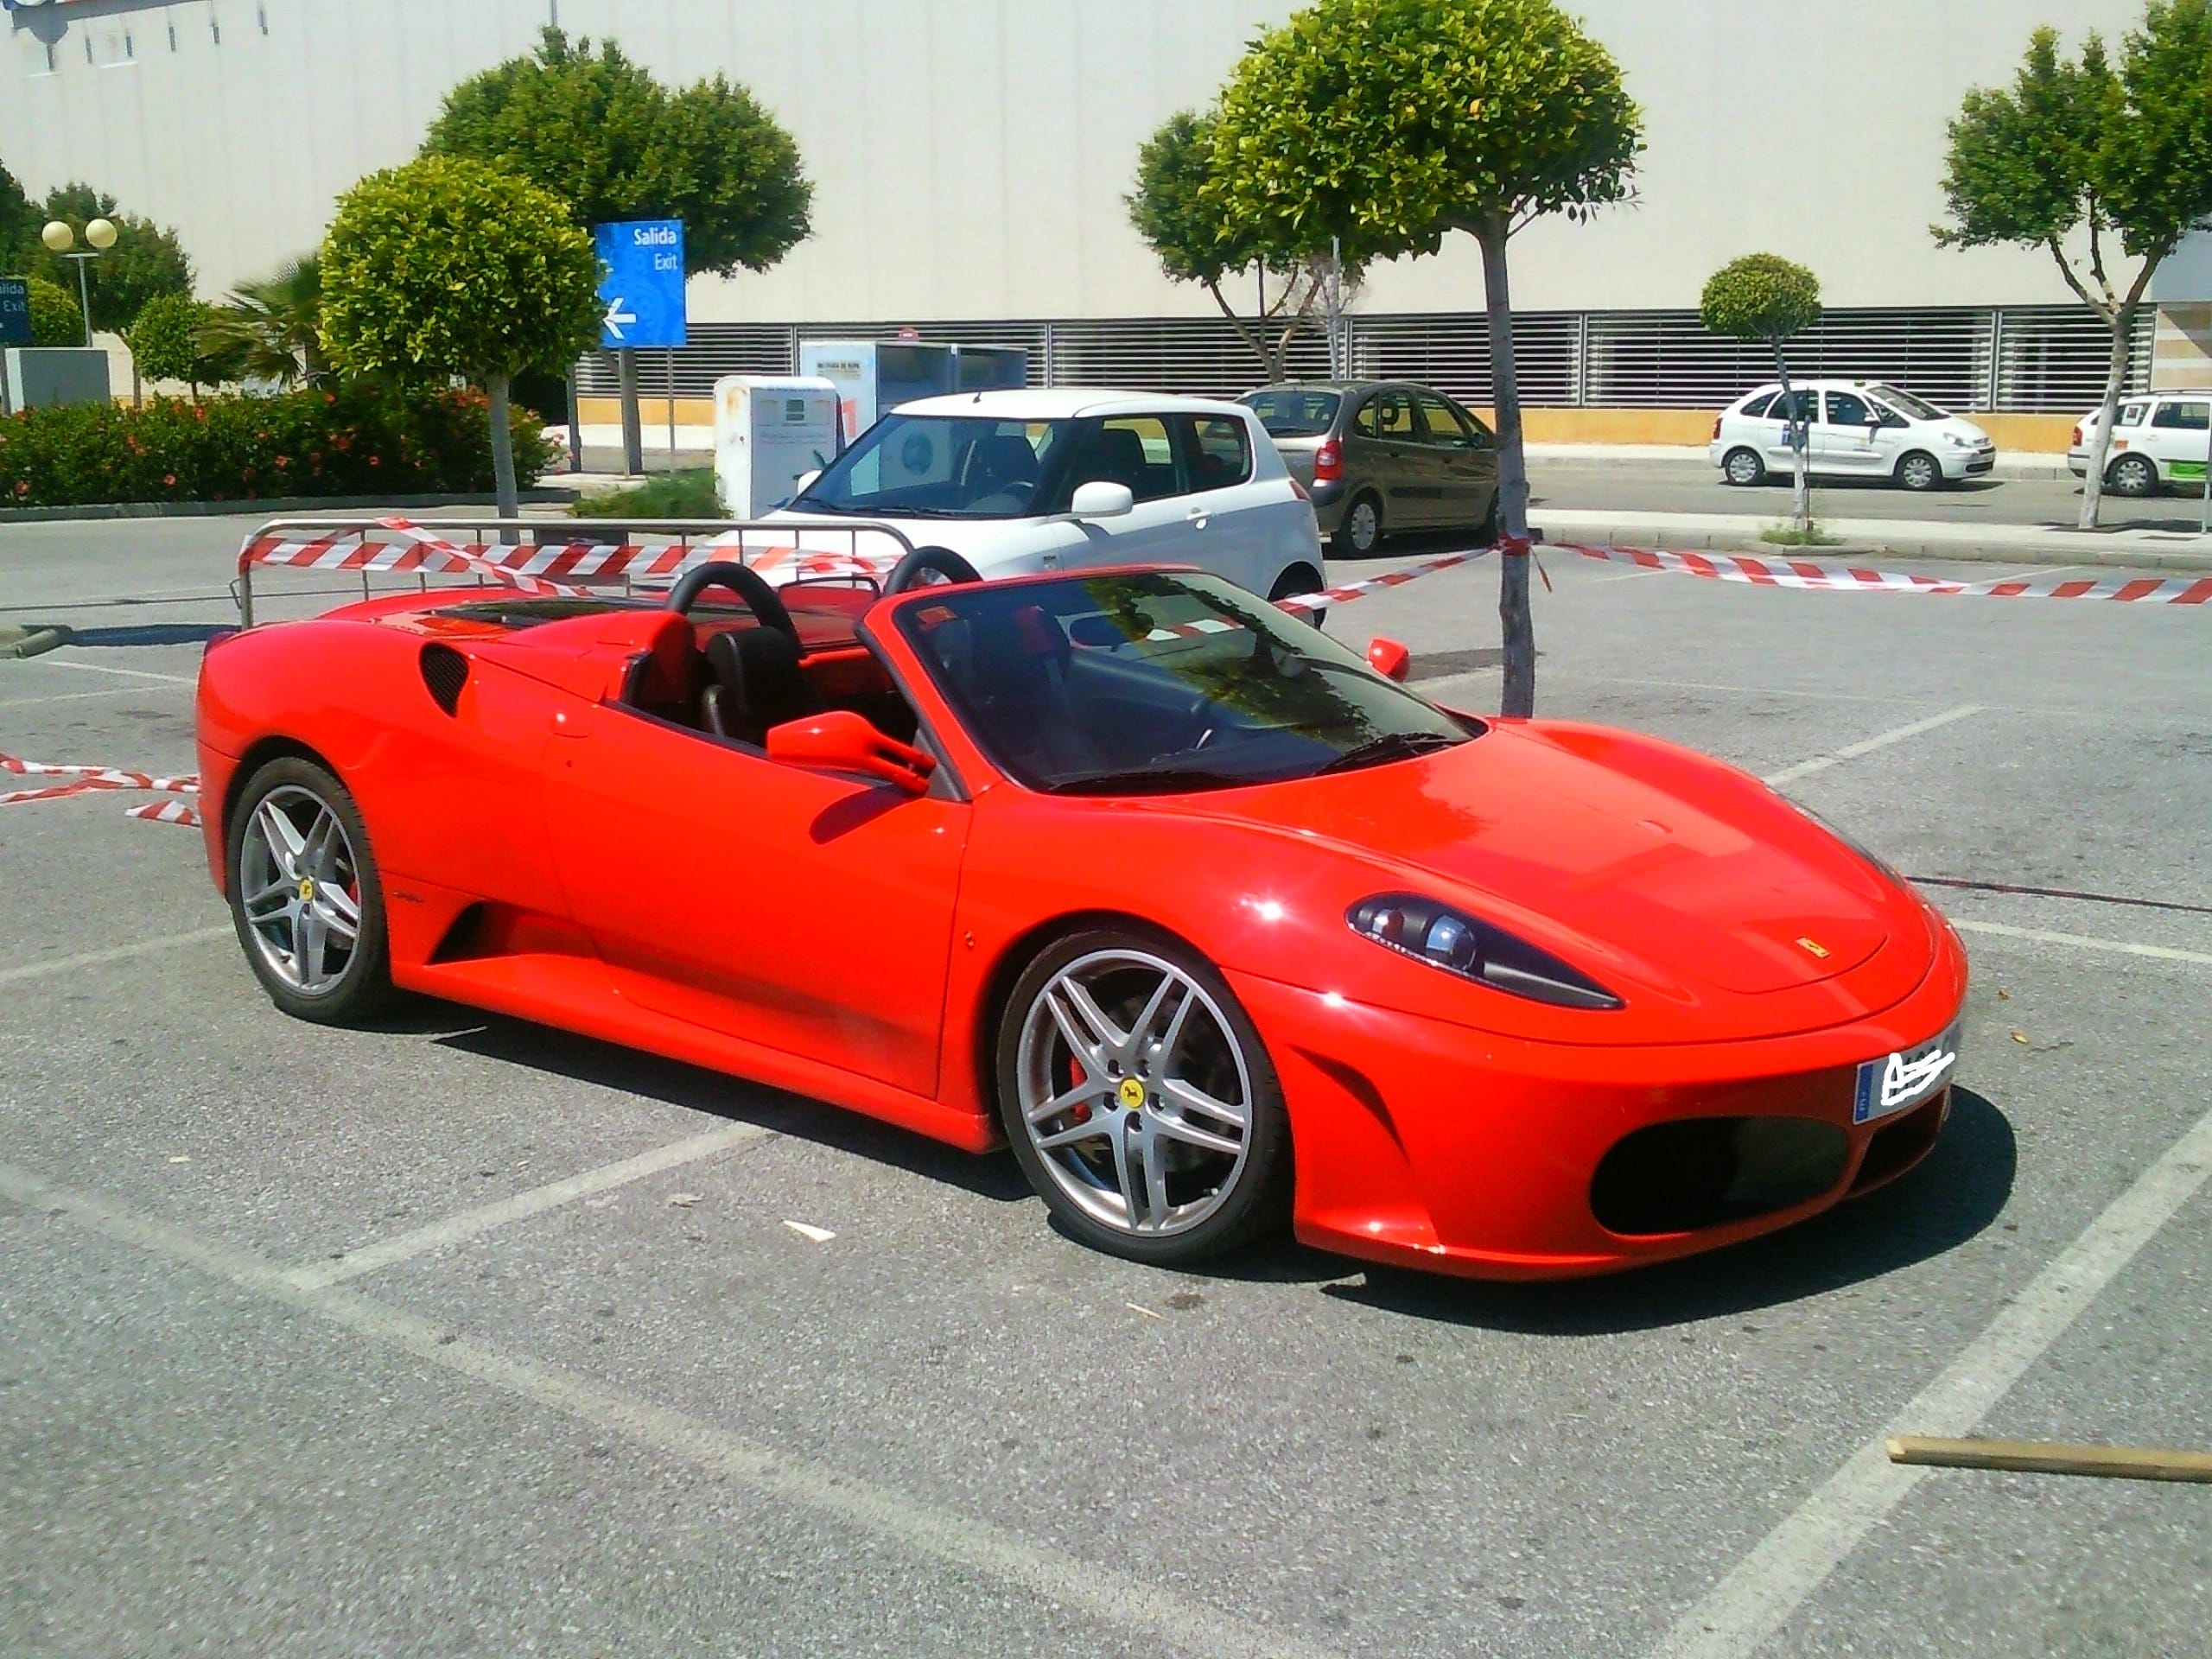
point(445, 672)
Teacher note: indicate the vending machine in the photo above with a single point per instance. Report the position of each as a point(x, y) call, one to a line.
point(769, 433)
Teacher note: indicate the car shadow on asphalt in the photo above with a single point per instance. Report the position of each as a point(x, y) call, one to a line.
point(584, 1060)
point(1956, 1194)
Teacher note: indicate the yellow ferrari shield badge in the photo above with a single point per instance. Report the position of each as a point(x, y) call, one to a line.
point(1132, 1093)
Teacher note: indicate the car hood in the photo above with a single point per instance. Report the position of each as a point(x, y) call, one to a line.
point(1644, 864)
point(1966, 430)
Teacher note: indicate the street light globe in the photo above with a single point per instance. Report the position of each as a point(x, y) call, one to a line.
point(57, 236)
point(101, 234)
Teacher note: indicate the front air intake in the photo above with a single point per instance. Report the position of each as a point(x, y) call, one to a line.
point(445, 672)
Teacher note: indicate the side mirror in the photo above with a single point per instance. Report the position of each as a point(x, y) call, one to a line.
point(1389, 659)
point(804, 481)
point(1102, 499)
point(841, 740)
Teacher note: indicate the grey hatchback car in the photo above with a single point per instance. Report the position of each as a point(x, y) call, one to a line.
point(1382, 455)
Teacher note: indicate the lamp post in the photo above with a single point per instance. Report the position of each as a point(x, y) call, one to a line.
point(60, 239)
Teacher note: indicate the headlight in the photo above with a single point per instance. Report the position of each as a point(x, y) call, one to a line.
point(1460, 944)
point(1956, 441)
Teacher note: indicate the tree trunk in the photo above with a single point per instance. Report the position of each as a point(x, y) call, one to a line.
point(2093, 483)
point(1801, 497)
point(1519, 697)
point(503, 452)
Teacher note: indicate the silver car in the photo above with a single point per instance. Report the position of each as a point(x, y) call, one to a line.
point(1379, 456)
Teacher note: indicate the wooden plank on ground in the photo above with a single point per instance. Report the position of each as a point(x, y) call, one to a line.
point(2050, 1458)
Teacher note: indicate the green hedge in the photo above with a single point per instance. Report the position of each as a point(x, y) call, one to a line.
point(360, 438)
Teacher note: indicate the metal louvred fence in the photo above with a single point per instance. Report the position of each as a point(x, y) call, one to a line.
point(2028, 360)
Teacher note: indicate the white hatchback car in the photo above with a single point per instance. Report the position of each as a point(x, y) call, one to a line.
point(1020, 481)
point(1856, 429)
point(2160, 438)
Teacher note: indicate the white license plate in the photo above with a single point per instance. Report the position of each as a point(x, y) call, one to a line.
point(1898, 1082)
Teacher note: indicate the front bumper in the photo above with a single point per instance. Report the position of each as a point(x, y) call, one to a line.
point(1430, 1145)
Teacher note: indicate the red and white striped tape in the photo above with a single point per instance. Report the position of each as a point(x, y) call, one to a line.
point(567, 568)
point(84, 780)
point(1844, 578)
point(1347, 592)
point(165, 812)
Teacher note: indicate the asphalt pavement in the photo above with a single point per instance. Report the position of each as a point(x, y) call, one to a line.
point(461, 1336)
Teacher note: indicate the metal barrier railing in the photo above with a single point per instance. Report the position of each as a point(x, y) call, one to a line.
point(564, 555)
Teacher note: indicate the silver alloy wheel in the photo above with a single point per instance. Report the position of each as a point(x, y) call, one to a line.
point(1919, 472)
point(1363, 523)
point(1743, 468)
point(2132, 475)
point(302, 889)
point(1126, 1073)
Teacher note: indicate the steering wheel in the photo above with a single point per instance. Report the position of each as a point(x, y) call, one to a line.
point(940, 561)
point(759, 598)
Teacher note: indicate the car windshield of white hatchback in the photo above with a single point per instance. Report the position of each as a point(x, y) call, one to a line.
point(1919, 407)
point(1160, 683)
point(1291, 412)
point(939, 467)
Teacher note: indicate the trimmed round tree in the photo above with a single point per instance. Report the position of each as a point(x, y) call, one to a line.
point(448, 267)
point(1389, 124)
point(55, 320)
point(1766, 300)
point(164, 340)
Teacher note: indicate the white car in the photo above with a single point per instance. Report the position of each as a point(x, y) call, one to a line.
point(2160, 438)
point(1020, 481)
point(1857, 428)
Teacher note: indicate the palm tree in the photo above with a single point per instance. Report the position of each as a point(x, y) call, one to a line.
point(267, 329)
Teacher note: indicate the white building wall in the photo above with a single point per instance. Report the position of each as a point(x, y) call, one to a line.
point(969, 155)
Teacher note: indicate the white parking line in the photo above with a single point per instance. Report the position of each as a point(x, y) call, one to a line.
point(1098, 1590)
point(1852, 752)
point(74, 696)
point(117, 953)
point(471, 1224)
point(48, 664)
point(2081, 941)
point(1741, 1613)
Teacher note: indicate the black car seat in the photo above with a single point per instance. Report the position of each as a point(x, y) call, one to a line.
point(757, 684)
point(999, 462)
point(1114, 455)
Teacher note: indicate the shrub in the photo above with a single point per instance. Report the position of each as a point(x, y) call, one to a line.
point(688, 495)
point(164, 340)
point(362, 438)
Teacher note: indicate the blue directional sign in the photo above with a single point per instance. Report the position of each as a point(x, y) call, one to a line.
point(641, 284)
point(14, 312)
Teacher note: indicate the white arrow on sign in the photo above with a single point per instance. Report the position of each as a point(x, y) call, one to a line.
point(616, 316)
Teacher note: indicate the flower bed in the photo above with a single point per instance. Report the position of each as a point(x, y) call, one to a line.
point(356, 439)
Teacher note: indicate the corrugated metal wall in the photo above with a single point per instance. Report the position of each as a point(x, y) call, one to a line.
point(2038, 360)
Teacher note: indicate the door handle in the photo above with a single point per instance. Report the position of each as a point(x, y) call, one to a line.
point(1198, 517)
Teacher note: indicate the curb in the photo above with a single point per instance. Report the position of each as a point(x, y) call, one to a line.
point(266, 507)
point(1630, 534)
point(29, 641)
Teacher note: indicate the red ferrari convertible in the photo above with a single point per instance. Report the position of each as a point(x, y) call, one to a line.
point(1214, 921)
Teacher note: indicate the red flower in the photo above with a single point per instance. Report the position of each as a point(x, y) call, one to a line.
point(375, 461)
point(169, 478)
point(283, 460)
point(22, 487)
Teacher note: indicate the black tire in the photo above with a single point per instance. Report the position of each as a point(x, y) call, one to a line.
point(362, 985)
point(1920, 472)
point(1486, 531)
point(1743, 467)
point(2133, 476)
point(1300, 579)
point(1363, 518)
point(1254, 1200)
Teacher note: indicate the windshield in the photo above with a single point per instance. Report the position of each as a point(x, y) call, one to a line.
point(1288, 412)
point(1919, 407)
point(1158, 683)
point(939, 467)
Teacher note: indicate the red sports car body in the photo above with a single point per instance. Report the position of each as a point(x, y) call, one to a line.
point(1212, 920)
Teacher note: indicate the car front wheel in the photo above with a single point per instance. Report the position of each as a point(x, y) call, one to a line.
point(1920, 472)
point(2133, 475)
point(1139, 1100)
point(304, 894)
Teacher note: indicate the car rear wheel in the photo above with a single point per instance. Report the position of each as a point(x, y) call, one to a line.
point(1743, 468)
point(1139, 1100)
point(2133, 475)
point(1919, 472)
point(304, 894)
point(1359, 532)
